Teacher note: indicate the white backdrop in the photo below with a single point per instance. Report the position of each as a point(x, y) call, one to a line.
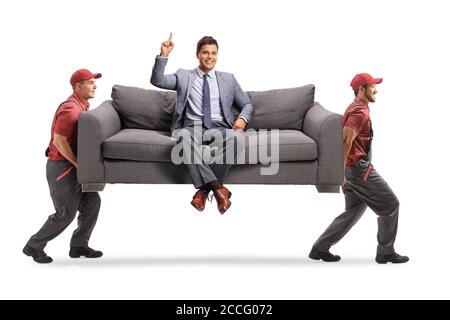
point(156, 246)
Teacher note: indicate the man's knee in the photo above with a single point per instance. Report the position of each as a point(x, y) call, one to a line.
point(389, 207)
point(64, 214)
point(395, 204)
point(357, 209)
point(391, 201)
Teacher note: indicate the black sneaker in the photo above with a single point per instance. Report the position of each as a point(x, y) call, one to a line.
point(326, 256)
point(393, 258)
point(38, 255)
point(76, 252)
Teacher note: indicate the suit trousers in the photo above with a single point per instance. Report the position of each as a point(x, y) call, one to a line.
point(364, 188)
point(224, 152)
point(67, 199)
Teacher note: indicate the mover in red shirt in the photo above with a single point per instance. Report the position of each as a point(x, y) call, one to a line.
point(62, 177)
point(363, 186)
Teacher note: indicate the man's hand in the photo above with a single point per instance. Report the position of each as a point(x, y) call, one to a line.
point(62, 144)
point(167, 47)
point(239, 125)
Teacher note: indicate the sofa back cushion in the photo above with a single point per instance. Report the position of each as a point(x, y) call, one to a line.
point(152, 109)
point(144, 109)
point(282, 108)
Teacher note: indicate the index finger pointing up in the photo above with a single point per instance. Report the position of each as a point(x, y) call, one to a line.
point(170, 38)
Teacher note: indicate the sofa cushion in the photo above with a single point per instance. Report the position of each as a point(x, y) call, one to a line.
point(139, 145)
point(293, 145)
point(282, 108)
point(150, 145)
point(144, 109)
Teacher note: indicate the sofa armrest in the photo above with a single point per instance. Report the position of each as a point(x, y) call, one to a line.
point(94, 127)
point(325, 128)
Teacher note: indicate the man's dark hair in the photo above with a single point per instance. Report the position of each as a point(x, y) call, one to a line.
point(357, 90)
point(206, 40)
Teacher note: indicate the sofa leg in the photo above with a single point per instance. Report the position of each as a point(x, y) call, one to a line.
point(92, 187)
point(328, 188)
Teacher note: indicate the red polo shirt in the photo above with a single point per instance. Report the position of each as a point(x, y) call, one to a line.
point(357, 117)
point(65, 123)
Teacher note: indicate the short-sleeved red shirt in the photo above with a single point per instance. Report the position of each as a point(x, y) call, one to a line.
point(65, 123)
point(357, 117)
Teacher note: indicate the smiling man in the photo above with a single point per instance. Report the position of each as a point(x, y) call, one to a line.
point(204, 100)
point(363, 186)
point(62, 177)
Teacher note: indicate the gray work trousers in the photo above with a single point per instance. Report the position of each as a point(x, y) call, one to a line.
point(364, 188)
point(225, 153)
point(67, 200)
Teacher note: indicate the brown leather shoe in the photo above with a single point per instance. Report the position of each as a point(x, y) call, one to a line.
point(199, 199)
point(223, 196)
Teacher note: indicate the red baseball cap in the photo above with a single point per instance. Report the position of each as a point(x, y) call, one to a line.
point(364, 78)
point(83, 74)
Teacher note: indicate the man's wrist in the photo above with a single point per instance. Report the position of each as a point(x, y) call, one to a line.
point(243, 118)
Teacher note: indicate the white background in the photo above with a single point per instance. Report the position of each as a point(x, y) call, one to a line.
point(156, 246)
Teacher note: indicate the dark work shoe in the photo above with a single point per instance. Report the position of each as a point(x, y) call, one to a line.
point(38, 255)
point(326, 256)
point(76, 252)
point(393, 258)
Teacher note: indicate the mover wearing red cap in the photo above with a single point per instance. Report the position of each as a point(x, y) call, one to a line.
point(83, 75)
point(62, 177)
point(364, 79)
point(363, 186)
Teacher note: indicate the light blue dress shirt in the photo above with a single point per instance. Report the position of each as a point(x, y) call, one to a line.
point(195, 110)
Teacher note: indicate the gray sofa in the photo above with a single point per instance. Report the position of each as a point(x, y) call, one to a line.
point(127, 140)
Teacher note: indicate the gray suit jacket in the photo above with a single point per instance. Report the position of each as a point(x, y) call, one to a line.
point(182, 81)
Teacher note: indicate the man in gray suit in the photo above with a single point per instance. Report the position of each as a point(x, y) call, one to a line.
point(204, 100)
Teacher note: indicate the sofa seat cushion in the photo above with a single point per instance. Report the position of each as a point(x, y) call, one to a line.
point(293, 145)
point(139, 145)
point(150, 145)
